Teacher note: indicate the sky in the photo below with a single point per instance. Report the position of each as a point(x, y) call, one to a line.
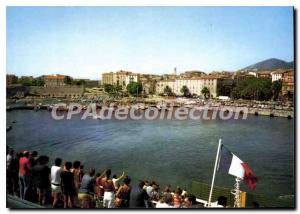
point(84, 42)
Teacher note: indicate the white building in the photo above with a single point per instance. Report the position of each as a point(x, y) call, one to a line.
point(195, 85)
point(277, 75)
point(131, 78)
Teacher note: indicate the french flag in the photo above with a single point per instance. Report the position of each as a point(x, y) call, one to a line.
point(230, 163)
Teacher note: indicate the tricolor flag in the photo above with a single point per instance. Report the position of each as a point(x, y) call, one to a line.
point(230, 163)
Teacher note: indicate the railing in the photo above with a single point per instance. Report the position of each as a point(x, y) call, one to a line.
point(201, 190)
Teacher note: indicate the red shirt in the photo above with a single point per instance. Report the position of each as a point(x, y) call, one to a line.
point(24, 162)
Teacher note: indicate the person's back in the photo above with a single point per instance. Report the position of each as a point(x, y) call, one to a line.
point(149, 190)
point(138, 196)
point(87, 184)
point(55, 174)
point(124, 193)
point(24, 165)
point(67, 180)
point(41, 176)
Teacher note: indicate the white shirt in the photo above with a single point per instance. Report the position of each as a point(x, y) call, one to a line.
point(8, 160)
point(149, 190)
point(55, 174)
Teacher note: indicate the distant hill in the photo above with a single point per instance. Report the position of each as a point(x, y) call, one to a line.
point(271, 64)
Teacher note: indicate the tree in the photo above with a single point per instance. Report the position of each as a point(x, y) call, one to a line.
point(168, 91)
point(205, 91)
point(276, 89)
point(68, 80)
point(108, 88)
point(253, 89)
point(40, 81)
point(185, 91)
point(78, 82)
point(26, 81)
point(134, 88)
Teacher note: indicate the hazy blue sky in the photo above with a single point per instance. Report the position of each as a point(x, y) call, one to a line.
point(86, 41)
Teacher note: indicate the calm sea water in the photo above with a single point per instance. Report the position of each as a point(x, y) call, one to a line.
point(168, 151)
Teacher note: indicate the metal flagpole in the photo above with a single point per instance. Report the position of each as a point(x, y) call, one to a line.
point(236, 192)
point(214, 174)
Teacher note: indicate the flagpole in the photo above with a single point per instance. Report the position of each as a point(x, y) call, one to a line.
point(214, 174)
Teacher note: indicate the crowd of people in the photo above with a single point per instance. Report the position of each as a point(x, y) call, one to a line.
point(68, 185)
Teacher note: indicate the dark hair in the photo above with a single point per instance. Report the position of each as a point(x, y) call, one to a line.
point(76, 164)
point(141, 184)
point(43, 159)
point(222, 200)
point(178, 190)
point(114, 176)
point(57, 161)
point(108, 173)
point(127, 180)
point(191, 198)
point(81, 166)
point(153, 183)
point(11, 151)
point(98, 174)
point(34, 154)
point(19, 155)
point(167, 199)
point(92, 172)
point(68, 165)
point(167, 188)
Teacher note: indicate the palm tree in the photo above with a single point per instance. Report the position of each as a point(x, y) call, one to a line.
point(205, 91)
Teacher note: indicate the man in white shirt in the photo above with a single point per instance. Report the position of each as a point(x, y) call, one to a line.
point(55, 180)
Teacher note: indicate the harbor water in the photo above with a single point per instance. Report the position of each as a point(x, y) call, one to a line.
point(168, 151)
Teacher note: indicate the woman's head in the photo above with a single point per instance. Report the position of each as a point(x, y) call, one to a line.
point(76, 164)
point(107, 173)
point(127, 180)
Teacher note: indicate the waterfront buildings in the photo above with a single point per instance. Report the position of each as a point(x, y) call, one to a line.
point(122, 78)
point(288, 83)
point(54, 80)
point(194, 84)
point(277, 75)
point(265, 74)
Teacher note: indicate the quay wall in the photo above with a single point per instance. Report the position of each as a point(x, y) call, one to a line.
point(264, 111)
point(275, 112)
point(57, 91)
point(49, 91)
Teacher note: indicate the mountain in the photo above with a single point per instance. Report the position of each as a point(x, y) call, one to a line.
point(271, 64)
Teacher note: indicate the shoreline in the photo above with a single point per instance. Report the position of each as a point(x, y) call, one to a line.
point(289, 114)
